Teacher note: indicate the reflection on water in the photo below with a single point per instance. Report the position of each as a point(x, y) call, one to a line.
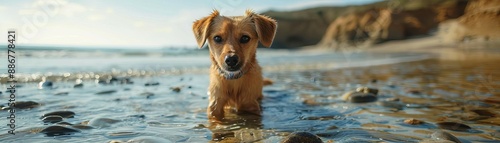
point(460, 97)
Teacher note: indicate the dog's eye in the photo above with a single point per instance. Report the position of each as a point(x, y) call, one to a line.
point(217, 39)
point(244, 39)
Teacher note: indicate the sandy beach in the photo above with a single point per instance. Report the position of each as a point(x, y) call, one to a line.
point(419, 93)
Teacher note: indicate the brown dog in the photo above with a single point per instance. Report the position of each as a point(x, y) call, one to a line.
point(235, 76)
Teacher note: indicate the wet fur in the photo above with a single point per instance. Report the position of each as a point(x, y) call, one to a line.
point(244, 93)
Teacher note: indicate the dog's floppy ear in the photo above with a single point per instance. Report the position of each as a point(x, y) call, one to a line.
point(265, 27)
point(200, 28)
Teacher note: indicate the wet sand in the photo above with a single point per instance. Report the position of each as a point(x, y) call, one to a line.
point(456, 95)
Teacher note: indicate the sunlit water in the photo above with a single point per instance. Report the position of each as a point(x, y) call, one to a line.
point(305, 96)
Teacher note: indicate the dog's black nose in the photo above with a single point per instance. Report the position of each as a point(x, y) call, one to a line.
point(231, 60)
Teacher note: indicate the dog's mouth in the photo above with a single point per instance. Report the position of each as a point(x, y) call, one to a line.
point(230, 73)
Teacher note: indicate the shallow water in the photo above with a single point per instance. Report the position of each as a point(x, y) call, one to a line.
point(306, 96)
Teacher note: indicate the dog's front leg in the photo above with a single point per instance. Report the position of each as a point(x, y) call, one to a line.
point(251, 106)
point(216, 105)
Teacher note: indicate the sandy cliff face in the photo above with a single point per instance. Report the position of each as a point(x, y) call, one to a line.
point(382, 24)
point(364, 24)
point(481, 21)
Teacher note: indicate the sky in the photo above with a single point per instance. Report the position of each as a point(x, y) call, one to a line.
point(126, 23)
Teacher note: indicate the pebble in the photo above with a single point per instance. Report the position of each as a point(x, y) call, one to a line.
point(45, 84)
point(102, 122)
point(64, 114)
point(413, 121)
point(100, 81)
point(106, 92)
point(414, 91)
point(359, 97)
point(84, 127)
point(367, 90)
point(62, 93)
point(199, 126)
point(442, 135)
point(126, 81)
point(453, 126)
point(79, 85)
point(483, 112)
point(302, 137)
point(57, 130)
point(64, 123)
point(147, 94)
point(26, 104)
point(52, 119)
point(138, 116)
point(176, 89)
point(152, 84)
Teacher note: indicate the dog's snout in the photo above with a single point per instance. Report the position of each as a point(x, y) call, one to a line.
point(231, 60)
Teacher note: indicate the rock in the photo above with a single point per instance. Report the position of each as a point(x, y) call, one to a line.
point(26, 104)
point(106, 92)
point(45, 84)
point(414, 91)
point(138, 116)
point(484, 112)
point(442, 135)
point(79, 85)
point(199, 126)
point(148, 139)
point(152, 84)
point(103, 82)
point(62, 93)
point(102, 122)
point(57, 130)
point(118, 80)
point(413, 121)
point(64, 114)
point(359, 97)
point(52, 119)
point(453, 126)
point(332, 128)
point(302, 137)
point(367, 90)
point(64, 123)
point(84, 127)
point(147, 94)
point(176, 89)
point(126, 81)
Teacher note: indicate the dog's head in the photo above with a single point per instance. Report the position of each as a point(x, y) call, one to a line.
point(233, 40)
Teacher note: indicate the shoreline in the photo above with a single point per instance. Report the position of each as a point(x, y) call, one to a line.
point(432, 44)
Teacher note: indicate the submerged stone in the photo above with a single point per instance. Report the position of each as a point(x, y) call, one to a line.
point(453, 126)
point(26, 104)
point(52, 119)
point(367, 90)
point(359, 97)
point(106, 92)
point(152, 84)
point(58, 130)
point(64, 114)
point(442, 135)
point(302, 137)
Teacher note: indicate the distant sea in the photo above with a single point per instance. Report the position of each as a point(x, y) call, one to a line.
point(35, 62)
